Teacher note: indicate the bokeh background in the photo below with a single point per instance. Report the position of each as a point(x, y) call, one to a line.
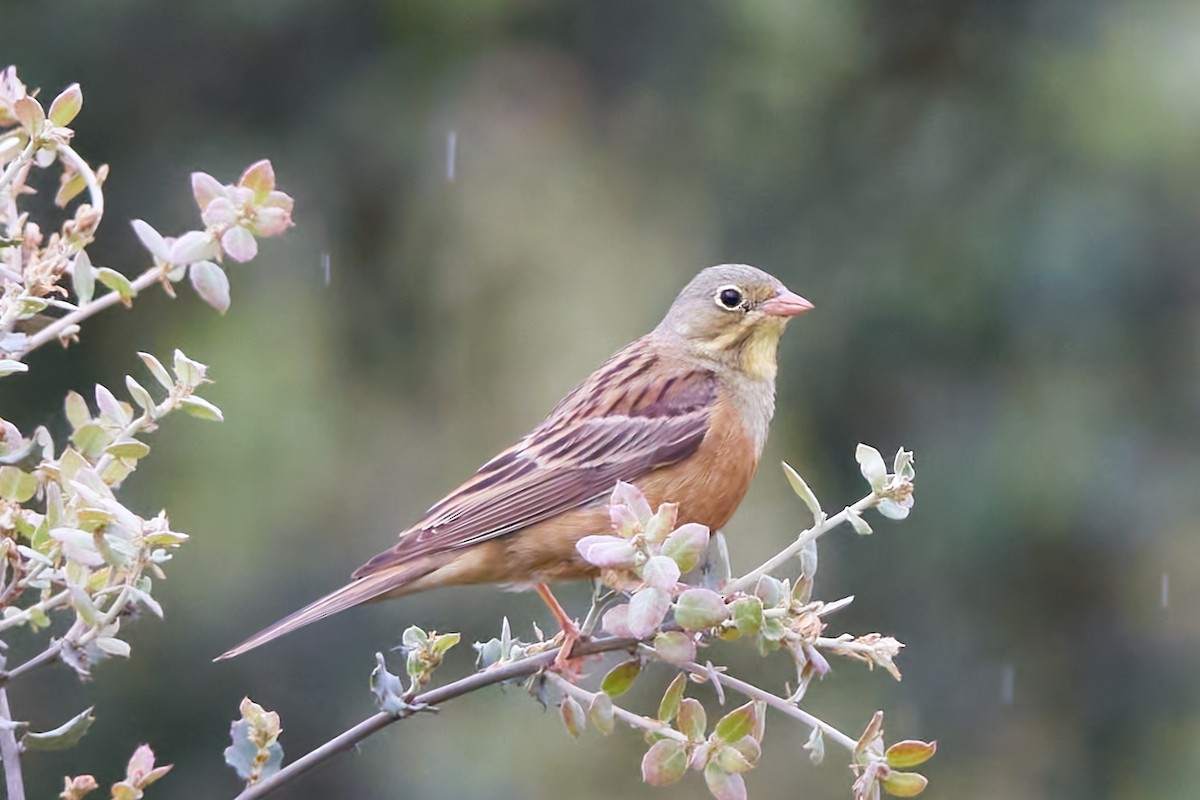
point(995, 207)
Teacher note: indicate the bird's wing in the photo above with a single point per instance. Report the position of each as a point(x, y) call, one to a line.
point(635, 413)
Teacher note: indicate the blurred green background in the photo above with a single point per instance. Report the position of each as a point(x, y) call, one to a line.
point(995, 207)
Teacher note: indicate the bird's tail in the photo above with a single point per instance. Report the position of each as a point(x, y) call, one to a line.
point(361, 590)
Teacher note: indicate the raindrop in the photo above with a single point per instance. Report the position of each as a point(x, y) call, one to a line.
point(1165, 591)
point(325, 267)
point(1008, 677)
point(451, 153)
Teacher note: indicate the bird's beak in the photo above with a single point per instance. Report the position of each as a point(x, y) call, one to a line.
point(785, 304)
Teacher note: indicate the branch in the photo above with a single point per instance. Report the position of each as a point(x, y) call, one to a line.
point(45, 657)
point(10, 751)
point(377, 722)
point(56, 328)
point(747, 582)
point(773, 700)
point(628, 717)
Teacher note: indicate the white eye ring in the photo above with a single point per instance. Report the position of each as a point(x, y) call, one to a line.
point(729, 298)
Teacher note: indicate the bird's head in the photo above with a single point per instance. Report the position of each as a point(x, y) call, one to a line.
point(735, 314)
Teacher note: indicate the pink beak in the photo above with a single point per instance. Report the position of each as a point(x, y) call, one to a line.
point(786, 304)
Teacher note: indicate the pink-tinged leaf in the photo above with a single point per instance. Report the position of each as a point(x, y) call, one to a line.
point(220, 211)
point(616, 621)
point(191, 247)
point(606, 552)
point(152, 240)
point(271, 221)
point(661, 573)
point(573, 717)
point(140, 764)
point(662, 522)
point(675, 647)
point(664, 763)
point(259, 178)
point(626, 494)
point(239, 244)
point(109, 406)
point(646, 611)
point(686, 544)
point(211, 283)
point(624, 522)
point(910, 753)
point(700, 609)
point(206, 188)
point(30, 115)
point(904, 784)
point(279, 200)
point(724, 785)
point(66, 106)
point(693, 722)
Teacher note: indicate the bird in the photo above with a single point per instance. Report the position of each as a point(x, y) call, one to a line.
point(681, 413)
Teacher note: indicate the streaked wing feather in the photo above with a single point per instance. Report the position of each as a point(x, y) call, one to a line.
point(622, 422)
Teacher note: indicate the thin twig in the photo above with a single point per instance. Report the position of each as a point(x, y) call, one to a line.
point(10, 751)
point(89, 177)
point(377, 722)
point(52, 331)
point(628, 717)
point(47, 656)
point(747, 581)
point(773, 700)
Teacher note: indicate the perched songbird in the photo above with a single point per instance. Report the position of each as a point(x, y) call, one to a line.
point(682, 413)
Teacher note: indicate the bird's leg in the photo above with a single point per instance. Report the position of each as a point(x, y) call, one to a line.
point(570, 630)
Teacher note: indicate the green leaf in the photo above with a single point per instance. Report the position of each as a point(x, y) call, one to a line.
point(669, 707)
point(16, 485)
point(77, 410)
point(200, 408)
point(66, 735)
point(600, 713)
point(802, 491)
point(129, 448)
point(443, 642)
point(115, 281)
point(910, 753)
point(700, 609)
point(693, 722)
point(904, 784)
point(621, 677)
point(730, 759)
point(664, 763)
point(83, 278)
point(91, 439)
point(66, 106)
point(686, 544)
point(736, 723)
point(747, 615)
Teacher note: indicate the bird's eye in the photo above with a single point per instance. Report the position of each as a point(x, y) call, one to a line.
point(729, 297)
